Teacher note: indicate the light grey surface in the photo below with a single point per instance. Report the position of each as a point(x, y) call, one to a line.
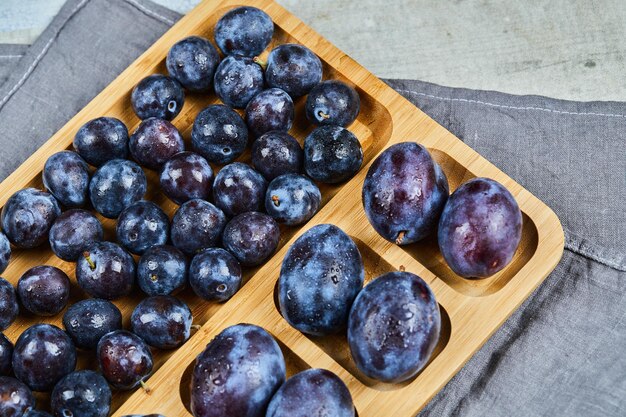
point(571, 49)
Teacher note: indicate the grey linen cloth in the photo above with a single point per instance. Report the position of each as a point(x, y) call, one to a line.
point(563, 353)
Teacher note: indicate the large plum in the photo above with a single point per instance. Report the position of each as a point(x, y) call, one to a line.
point(394, 327)
point(404, 193)
point(480, 228)
point(27, 217)
point(326, 395)
point(125, 359)
point(237, 373)
point(320, 276)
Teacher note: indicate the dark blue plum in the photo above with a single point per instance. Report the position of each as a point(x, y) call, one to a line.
point(115, 186)
point(88, 320)
point(106, 270)
point(215, 274)
point(162, 270)
point(125, 359)
point(237, 80)
point(72, 232)
point(332, 154)
point(192, 62)
point(332, 102)
point(154, 142)
point(244, 31)
point(27, 217)
point(9, 308)
point(270, 110)
point(252, 237)
point(66, 176)
point(101, 140)
point(292, 199)
point(142, 225)
point(480, 228)
point(238, 188)
point(15, 397)
point(277, 153)
point(43, 355)
point(320, 276)
point(157, 96)
point(219, 134)
point(162, 321)
point(81, 394)
point(5, 252)
point(237, 373)
point(44, 290)
point(186, 176)
point(314, 392)
point(394, 327)
point(404, 193)
point(293, 68)
point(6, 354)
point(197, 225)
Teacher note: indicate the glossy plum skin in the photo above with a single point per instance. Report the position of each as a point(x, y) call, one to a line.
point(219, 134)
point(277, 153)
point(9, 308)
point(332, 154)
point(270, 110)
point(237, 373)
point(72, 232)
point(394, 327)
point(332, 102)
point(238, 188)
point(15, 397)
point(161, 270)
point(237, 80)
point(314, 392)
point(294, 69)
point(125, 359)
point(215, 274)
point(186, 176)
point(6, 354)
point(106, 271)
point(162, 321)
point(244, 31)
point(480, 228)
point(157, 96)
point(197, 224)
point(43, 355)
point(154, 142)
point(320, 277)
point(292, 199)
point(192, 62)
point(101, 140)
point(81, 394)
point(404, 193)
point(142, 225)
point(44, 290)
point(252, 237)
point(5, 252)
point(66, 177)
point(115, 186)
point(88, 320)
point(27, 217)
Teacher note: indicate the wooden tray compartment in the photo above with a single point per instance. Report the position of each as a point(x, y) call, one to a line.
point(471, 309)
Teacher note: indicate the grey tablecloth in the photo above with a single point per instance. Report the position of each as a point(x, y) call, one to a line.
point(564, 351)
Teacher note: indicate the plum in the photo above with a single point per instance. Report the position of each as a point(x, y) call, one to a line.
point(27, 217)
point(159, 96)
point(294, 69)
point(15, 397)
point(6, 354)
point(197, 224)
point(81, 394)
point(394, 327)
point(88, 320)
point(141, 226)
point(161, 270)
point(154, 142)
point(44, 290)
point(277, 153)
point(292, 199)
point(72, 232)
point(214, 274)
point(404, 193)
point(252, 237)
point(5, 252)
point(192, 62)
point(320, 277)
point(332, 154)
point(125, 359)
point(9, 308)
point(270, 110)
point(186, 176)
point(116, 185)
point(219, 134)
point(106, 271)
point(332, 102)
point(237, 373)
point(480, 228)
point(237, 80)
point(244, 31)
point(162, 321)
point(66, 177)
point(238, 188)
point(101, 140)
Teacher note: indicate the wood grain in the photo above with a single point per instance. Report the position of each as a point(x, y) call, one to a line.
point(471, 310)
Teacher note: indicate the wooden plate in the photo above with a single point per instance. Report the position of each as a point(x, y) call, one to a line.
point(472, 310)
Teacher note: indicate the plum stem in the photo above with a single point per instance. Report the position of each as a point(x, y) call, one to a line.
point(260, 62)
point(276, 200)
point(153, 278)
point(196, 327)
point(402, 268)
point(87, 257)
point(400, 237)
point(323, 115)
point(145, 387)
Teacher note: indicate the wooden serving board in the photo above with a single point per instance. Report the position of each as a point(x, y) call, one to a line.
point(472, 310)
